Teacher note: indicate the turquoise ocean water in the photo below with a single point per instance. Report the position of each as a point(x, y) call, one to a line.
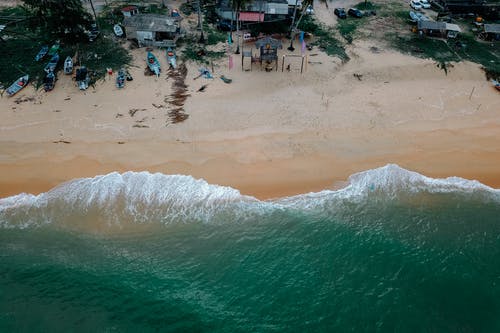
point(394, 251)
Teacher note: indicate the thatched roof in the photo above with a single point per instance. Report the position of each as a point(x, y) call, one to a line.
point(152, 22)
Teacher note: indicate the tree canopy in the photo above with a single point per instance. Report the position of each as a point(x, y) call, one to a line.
point(64, 19)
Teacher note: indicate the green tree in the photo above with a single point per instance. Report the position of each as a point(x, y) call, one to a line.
point(64, 19)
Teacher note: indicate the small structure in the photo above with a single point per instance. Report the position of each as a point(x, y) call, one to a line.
point(130, 11)
point(438, 29)
point(268, 51)
point(490, 32)
point(153, 29)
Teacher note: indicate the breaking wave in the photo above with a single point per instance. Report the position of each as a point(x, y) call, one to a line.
point(142, 197)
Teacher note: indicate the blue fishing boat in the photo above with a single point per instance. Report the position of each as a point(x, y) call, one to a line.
point(120, 78)
point(171, 58)
point(49, 81)
point(51, 66)
point(18, 85)
point(42, 53)
point(82, 78)
point(153, 64)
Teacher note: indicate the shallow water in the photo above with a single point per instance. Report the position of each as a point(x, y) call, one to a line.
point(393, 251)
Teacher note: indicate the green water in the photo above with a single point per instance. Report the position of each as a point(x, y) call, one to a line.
point(392, 252)
point(367, 268)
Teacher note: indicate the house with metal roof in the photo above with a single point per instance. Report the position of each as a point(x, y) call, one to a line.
point(153, 29)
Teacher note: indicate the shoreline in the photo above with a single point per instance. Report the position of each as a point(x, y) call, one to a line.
point(266, 134)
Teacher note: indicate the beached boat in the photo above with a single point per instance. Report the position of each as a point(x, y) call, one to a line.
point(120, 78)
point(18, 85)
point(225, 79)
point(117, 29)
point(42, 53)
point(82, 78)
point(68, 65)
point(153, 64)
point(54, 49)
point(51, 66)
point(171, 58)
point(496, 84)
point(49, 81)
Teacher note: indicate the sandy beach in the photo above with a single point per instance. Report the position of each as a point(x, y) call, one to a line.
point(268, 134)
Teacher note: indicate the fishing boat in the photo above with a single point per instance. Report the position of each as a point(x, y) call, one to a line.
point(49, 81)
point(51, 66)
point(82, 78)
point(225, 79)
point(153, 64)
point(18, 85)
point(496, 84)
point(120, 78)
point(68, 65)
point(171, 58)
point(117, 29)
point(42, 53)
point(54, 49)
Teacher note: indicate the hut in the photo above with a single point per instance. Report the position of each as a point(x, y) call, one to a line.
point(490, 32)
point(153, 29)
point(268, 51)
point(438, 29)
point(130, 11)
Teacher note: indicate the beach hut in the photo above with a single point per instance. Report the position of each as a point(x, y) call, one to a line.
point(490, 32)
point(130, 11)
point(268, 51)
point(438, 29)
point(153, 29)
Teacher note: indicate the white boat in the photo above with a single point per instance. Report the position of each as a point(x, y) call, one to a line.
point(171, 58)
point(68, 65)
point(118, 30)
point(18, 85)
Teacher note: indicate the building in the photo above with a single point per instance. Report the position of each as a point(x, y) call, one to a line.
point(489, 9)
point(153, 29)
point(255, 11)
point(491, 32)
point(130, 11)
point(438, 29)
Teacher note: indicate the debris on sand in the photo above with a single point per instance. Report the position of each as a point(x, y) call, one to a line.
point(179, 94)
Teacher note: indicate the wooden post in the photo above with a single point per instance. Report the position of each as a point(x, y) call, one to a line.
point(302, 65)
point(283, 64)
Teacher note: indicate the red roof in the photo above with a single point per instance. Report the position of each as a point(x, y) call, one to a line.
point(251, 17)
point(129, 8)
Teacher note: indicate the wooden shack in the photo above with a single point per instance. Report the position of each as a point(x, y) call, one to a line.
point(438, 29)
point(153, 29)
point(268, 51)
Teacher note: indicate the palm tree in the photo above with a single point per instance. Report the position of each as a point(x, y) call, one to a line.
point(237, 5)
point(294, 25)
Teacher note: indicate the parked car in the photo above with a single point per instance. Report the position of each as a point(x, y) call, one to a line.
point(355, 13)
point(425, 4)
point(309, 9)
point(340, 12)
point(415, 4)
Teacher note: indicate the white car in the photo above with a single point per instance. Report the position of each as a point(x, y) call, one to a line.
point(415, 4)
point(309, 10)
point(425, 4)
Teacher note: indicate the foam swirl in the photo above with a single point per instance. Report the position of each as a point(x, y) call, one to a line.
point(141, 197)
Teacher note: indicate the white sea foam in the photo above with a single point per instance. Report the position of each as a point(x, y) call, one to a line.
point(142, 197)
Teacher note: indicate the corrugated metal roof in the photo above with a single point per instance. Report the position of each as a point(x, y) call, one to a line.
point(492, 28)
point(152, 22)
point(431, 25)
point(453, 27)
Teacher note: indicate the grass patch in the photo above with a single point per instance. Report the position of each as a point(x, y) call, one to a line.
point(325, 39)
point(443, 51)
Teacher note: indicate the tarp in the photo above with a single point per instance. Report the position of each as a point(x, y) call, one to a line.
point(251, 17)
point(453, 27)
point(492, 28)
